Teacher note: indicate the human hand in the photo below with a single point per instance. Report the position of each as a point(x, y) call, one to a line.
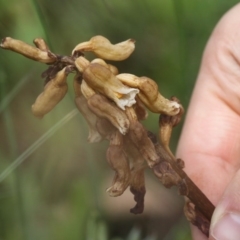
point(210, 141)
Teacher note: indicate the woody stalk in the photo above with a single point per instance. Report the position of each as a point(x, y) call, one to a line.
point(114, 105)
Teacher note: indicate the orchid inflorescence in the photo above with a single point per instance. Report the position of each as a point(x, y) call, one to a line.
point(113, 105)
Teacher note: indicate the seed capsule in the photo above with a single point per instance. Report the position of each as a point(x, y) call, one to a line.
point(27, 50)
point(53, 93)
point(149, 94)
point(104, 81)
point(103, 48)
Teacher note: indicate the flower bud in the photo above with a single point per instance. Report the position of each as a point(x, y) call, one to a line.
point(27, 50)
point(53, 93)
point(91, 118)
point(103, 48)
point(104, 81)
point(149, 94)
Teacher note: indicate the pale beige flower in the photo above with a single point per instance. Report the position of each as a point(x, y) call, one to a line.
point(104, 81)
point(104, 49)
point(53, 93)
point(150, 95)
point(27, 50)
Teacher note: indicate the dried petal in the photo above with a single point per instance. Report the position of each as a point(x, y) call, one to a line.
point(140, 109)
point(103, 80)
point(91, 118)
point(103, 48)
point(53, 93)
point(137, 183)
point(137, 188)
point(113, 69)
point(86, 90)
point(119, 163)
point(27, 50)
point(102, 107)
point(140, 139)
point(149, 94)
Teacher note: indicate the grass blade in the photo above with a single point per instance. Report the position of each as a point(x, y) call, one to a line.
point(37, 144)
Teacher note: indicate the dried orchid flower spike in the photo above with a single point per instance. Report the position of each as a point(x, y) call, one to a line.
point(149, 94)
point(28, 50)
point(104, 49)
point(166, 124)
point(53, 93)
point(118, 162)
point(104, 81)
point(91, 118)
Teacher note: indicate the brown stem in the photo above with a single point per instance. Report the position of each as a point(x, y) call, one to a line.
point(171, 173)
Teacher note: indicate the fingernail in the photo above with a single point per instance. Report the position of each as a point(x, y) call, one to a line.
point(227, 227)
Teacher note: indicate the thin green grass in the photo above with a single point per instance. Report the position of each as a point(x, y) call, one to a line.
point(20, 159)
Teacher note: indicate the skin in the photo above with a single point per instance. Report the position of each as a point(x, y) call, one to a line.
point(210, 140)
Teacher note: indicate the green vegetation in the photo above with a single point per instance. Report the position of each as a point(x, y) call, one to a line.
point(57, 191)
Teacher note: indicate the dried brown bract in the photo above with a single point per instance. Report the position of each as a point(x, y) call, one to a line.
point(114, 105)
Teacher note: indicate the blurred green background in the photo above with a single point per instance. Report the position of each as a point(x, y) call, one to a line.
point(58, 189)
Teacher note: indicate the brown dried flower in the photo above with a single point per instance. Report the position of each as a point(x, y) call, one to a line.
point(113, 105)
point(104, 81)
